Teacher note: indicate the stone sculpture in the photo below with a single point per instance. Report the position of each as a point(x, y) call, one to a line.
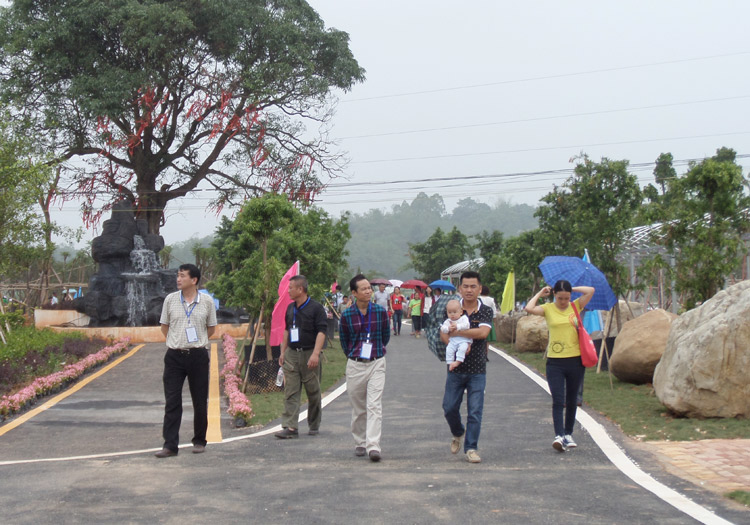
point(130, 286)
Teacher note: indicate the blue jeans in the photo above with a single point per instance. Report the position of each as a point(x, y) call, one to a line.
point(397, 315)
point(564, 377)
point(454, 393)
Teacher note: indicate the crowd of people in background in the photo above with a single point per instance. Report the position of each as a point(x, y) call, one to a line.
point(415, 306)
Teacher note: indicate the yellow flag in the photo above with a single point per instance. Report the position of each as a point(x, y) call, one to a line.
point(509, 295)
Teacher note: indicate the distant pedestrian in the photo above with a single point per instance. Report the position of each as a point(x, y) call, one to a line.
point(564, 368)
point(382, 297)
point(365, 332)
point(415, 311)
point(469, 376)
point(188, 320)
point(397, 307)
point(54, 301)
point(427, 301)
point(487, 299)
point(304, 337)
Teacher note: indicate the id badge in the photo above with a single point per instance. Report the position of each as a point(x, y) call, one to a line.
point(192, 335)
point(294, 335)
point(366, 352)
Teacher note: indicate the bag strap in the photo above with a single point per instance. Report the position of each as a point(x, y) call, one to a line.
point(578, 316)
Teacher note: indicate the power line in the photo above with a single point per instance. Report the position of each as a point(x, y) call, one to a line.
point(538, 119)
point(549, 148)
point(546, 77)
point(342, 190)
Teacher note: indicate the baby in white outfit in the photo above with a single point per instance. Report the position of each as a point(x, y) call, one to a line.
point(455, 352)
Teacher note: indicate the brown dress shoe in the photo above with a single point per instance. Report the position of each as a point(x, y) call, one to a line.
point(165, 453)
point(199, 449)
point(287, 433)
point(375, 455)
point(360, 451)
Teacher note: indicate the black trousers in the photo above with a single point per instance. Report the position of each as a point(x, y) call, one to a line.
point(177, 366)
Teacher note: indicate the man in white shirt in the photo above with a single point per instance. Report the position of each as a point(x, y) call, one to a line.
point(188, 320)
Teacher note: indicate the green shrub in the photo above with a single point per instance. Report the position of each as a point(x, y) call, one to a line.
point(32, 353)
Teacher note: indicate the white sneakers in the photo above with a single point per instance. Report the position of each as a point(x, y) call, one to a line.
point(563, 443)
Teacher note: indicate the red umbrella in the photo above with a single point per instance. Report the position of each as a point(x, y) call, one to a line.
point(380, 281)
point(413, 283)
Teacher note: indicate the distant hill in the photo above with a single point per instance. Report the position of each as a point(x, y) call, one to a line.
point(380, 239)
point(379, 243)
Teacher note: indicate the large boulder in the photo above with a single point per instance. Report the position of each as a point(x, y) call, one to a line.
point(628, 310)
point(532, 334)
point(704, 369)
point(506, 326)
point(640, 345)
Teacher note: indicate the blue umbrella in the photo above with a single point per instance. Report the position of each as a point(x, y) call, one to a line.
point(443, 285)
point(579, 273)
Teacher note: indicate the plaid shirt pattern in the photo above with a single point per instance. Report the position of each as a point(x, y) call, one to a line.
point(438, 315)
point(354, 326)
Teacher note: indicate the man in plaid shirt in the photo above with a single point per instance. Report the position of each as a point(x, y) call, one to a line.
point(364, 332)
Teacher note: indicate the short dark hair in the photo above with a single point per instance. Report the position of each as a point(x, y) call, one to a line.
point(562, 286)
point(355, 280)
point(338, 287)
point(485, 290)
point(300, 280)
point(192, 270)
point(470, 275)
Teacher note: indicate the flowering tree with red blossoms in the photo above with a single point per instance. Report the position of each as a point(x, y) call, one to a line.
point(152, 100)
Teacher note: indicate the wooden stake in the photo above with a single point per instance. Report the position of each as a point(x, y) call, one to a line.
point(252, 351)
point(242, 345)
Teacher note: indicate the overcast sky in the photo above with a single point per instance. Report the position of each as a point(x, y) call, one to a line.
point(492, 99)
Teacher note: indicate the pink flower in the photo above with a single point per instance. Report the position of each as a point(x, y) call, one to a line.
point(239, 404)
point(43, 385)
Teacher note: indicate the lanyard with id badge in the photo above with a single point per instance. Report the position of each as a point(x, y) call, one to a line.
point(366, 351)
point(190, 332)
point(294, 331)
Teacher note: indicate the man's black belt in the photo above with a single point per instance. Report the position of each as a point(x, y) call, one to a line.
point(360, 360)
point(300, 349)
point(186, 350)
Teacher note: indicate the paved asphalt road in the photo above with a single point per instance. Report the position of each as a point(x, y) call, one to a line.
point(318, 479)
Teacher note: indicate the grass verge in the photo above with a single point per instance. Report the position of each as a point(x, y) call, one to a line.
point(638, 412)
point(741, 496)
point(269, 406)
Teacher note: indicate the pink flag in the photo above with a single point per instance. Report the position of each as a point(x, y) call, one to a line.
point(279, 311)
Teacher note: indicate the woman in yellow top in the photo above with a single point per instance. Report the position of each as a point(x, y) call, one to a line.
point(564, 368)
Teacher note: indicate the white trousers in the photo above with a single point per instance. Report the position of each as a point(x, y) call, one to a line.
point(365, 383)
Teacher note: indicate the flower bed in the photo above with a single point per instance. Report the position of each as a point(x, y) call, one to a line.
point(239, 404)
point(10, 404)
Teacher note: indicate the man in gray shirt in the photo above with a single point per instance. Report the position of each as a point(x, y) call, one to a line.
point(381, 297)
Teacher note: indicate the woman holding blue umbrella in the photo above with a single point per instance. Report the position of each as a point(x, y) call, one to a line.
point(564, 368)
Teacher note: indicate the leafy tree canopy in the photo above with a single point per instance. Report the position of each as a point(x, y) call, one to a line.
point(162, 95)
point(592, 209)
point(438, 252)
point(22, 183)
point(707, 215)
point(265, 239)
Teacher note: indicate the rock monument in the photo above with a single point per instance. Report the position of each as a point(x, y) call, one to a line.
point(130, 286)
